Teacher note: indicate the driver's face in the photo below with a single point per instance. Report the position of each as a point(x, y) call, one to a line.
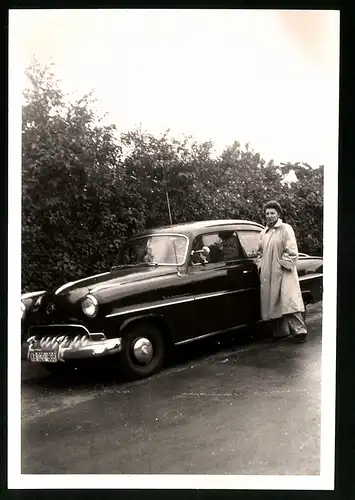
point(271, 215)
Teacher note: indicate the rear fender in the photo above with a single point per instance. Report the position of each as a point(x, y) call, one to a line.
point(311, 288)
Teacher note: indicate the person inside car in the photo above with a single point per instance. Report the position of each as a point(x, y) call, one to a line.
point(198, 258)
point(226, 248)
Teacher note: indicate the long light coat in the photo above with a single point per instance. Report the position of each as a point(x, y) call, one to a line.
point(280, 291)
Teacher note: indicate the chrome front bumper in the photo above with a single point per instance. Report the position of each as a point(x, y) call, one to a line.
point(80, 347)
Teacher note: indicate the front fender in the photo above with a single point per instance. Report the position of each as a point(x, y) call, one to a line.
point(159, 320)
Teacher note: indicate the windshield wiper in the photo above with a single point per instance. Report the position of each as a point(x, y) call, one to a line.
point(137, 264)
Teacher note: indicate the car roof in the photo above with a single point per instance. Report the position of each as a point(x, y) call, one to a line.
point(192, 228)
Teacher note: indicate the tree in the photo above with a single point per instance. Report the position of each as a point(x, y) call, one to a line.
point(303, 200)
point(69, 164)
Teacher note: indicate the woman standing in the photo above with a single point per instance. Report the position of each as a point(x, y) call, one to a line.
point(281, 297)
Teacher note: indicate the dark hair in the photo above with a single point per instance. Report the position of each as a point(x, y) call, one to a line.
point(273, 204)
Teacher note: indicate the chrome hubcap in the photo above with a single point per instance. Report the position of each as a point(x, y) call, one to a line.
point(143, 351)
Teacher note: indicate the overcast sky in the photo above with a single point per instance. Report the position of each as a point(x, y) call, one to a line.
point(265, 77)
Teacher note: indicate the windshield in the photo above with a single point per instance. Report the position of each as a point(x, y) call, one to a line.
point(157, 249)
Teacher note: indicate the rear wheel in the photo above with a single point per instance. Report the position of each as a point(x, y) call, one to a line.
point(143, 351)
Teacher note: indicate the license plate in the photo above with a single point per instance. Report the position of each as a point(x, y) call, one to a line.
point(43, 357)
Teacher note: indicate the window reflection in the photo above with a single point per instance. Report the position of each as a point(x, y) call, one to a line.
point(156, 249)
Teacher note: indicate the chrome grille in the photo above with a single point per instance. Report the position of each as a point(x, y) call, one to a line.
point(64, 341)
point(61, 336)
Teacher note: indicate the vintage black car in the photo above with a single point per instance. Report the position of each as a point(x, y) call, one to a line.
point(172, 285)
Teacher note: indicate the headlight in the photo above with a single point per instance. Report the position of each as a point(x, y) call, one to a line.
point(90, 306)
point(23, 310)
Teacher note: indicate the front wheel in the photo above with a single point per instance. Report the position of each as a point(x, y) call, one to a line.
point(143, 351)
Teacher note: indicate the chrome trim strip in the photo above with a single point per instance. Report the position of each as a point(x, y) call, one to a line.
point(192, 339)
point(225, 292)
point(170, 233)
point(100, 288)
point(146, 308)
point(60, 325)
point(67, 285)
point(310, 276)
point(181, 301)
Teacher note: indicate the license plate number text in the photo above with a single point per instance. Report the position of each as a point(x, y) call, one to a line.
point(43, 357)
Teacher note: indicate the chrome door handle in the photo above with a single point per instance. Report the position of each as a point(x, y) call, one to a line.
point(247, 271)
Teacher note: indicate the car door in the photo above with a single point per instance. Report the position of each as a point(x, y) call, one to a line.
point(249, 239)
point(221, 286)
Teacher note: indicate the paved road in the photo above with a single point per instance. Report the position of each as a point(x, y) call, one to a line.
point(227, 406)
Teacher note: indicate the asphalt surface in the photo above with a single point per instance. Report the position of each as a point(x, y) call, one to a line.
point(230, 405)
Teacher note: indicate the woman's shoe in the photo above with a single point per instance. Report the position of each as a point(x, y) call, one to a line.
point(300, 338)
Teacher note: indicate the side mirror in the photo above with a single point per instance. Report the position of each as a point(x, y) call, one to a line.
point(203, 253)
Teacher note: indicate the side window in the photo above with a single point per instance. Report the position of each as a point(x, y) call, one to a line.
point(223, 246)
point(250, 241)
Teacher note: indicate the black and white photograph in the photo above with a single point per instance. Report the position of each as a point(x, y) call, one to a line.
point(172, 204)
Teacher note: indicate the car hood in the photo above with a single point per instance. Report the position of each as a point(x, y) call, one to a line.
point(117, 277)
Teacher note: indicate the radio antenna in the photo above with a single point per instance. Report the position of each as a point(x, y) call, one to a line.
point(168, 202)
point(170, 218)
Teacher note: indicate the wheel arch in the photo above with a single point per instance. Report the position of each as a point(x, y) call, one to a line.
point(157, 320)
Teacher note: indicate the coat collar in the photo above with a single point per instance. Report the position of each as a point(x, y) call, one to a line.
point(278, 224)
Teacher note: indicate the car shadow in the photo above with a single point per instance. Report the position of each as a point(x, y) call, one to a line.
point(98, 373)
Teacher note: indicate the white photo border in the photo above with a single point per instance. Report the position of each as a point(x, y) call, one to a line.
point(16, 480)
